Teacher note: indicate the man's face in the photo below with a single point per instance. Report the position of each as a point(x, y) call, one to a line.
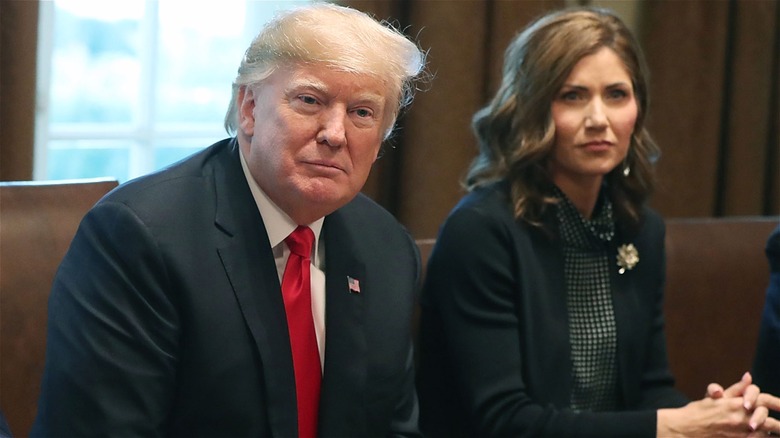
point(310, 135)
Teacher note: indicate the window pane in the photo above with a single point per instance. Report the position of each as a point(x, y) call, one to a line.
point(196, 63)
point(167, 152)
point(95, 62)
point(121, 78)
point(68, 159)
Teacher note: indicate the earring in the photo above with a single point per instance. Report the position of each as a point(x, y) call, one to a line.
point(626, 170)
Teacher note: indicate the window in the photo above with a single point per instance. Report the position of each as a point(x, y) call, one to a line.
point(126, 87)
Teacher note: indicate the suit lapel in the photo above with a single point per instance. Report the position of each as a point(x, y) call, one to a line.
point(249, 264)
point(624, 298)
point(550, 342)
point(342, 402)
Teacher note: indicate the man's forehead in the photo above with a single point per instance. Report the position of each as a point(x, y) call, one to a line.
point(334, 81)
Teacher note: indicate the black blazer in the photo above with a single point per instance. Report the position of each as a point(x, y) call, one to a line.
point(495, 355)
point(166, 316)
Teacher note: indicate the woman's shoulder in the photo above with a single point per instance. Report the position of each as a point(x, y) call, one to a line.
point(651, 218)
point(486, 216)
point(488, 204)
point(650, 233)
point(650, 223)
point(490, 198)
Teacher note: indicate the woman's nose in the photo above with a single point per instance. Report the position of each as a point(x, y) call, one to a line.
point(595, 117)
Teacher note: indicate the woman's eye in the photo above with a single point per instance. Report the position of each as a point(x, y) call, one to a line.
point(617, 94)
point(570, 95)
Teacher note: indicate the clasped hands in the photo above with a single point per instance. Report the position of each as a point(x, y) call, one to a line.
point(741, 410)
point(755, 407)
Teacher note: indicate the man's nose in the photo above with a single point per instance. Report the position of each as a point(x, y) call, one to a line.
point(332, 130)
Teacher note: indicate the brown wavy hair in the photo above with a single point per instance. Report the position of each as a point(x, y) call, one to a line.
point(516, 132)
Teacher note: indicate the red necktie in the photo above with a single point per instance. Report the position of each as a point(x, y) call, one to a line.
point(296, 290)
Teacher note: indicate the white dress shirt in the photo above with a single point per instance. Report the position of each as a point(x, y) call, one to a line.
point(278, 225)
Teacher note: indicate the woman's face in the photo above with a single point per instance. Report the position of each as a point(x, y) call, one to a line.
point(594, 114)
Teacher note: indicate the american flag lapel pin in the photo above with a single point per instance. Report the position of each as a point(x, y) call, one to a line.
point(353, 284)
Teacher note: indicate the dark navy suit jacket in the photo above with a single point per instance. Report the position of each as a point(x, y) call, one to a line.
point(766, 366)
point(166, 316)
point(5, 430)
point(495, 357)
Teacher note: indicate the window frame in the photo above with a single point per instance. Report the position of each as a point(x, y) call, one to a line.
point(142, 133)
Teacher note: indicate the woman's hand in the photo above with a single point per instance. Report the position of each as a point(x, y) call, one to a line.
point(752, 399)
point(743, 388)
point(741, 410)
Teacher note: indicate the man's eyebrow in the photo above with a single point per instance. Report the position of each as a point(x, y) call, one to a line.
point(307, 83)
point(371, 98)
point(367, 97)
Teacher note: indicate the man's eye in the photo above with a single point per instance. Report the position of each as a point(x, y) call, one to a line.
point(307, 99)
point(362, 112)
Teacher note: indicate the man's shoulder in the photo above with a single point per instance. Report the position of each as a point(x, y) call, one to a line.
point(368, 222)
point(175, 180)
point(365, 210)
point(180, 192)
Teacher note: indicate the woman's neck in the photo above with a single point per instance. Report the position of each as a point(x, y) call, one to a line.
point(583, 193)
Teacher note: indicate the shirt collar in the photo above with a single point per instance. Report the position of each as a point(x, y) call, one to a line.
point(579, 231)
point(278, 224)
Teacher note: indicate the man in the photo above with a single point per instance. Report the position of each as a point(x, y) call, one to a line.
point(766, 365)
point(170, 314)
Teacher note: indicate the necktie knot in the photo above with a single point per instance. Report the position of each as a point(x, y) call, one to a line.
point(300, 242)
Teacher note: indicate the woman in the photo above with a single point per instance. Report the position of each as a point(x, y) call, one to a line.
point(542, 307)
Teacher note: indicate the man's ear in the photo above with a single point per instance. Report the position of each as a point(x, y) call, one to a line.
point(246, 110)
point(378, 151)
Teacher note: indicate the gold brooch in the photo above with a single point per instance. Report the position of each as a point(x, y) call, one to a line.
point(627, 257)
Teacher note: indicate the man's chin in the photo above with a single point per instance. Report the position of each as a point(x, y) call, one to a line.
point(328, 198)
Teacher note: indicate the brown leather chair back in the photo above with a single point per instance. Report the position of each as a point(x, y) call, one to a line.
point(716, 280)
point(37, 222)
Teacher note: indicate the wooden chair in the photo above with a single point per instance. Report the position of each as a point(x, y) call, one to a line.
point(37, 222)
point(716, 280)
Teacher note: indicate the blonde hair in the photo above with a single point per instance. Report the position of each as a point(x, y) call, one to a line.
point(516, 132)
point(335, 37)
